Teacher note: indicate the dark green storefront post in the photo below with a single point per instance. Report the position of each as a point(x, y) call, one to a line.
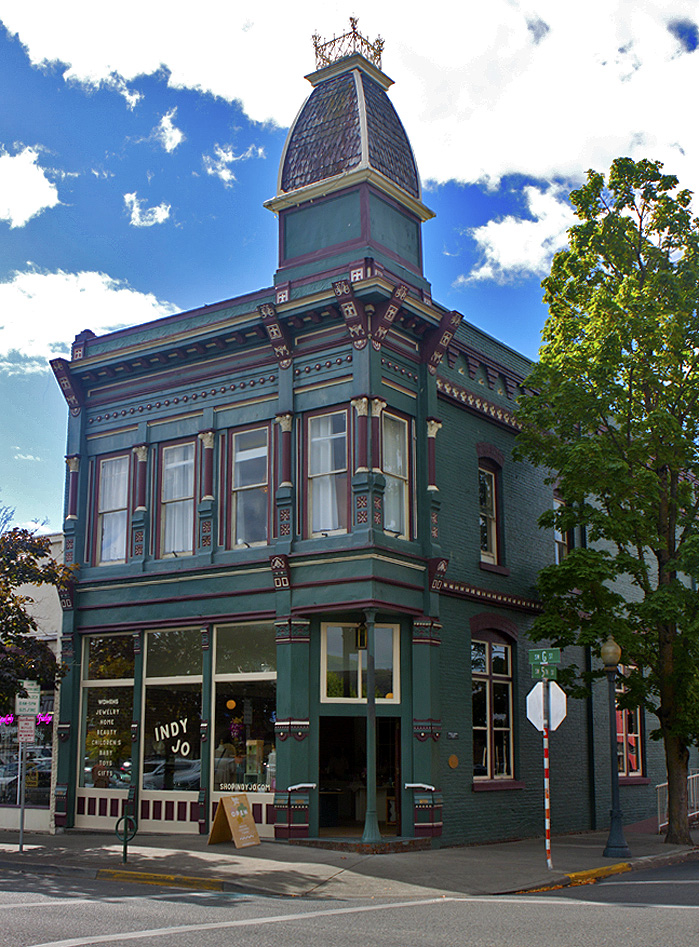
point(371, 823)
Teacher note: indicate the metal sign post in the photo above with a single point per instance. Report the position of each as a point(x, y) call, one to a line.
point(546, 709)
point(26, 709)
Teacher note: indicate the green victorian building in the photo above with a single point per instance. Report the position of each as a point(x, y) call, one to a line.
point(305, 554)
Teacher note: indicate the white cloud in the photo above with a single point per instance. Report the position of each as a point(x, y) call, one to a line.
point(27, 457)
point(42, 313)
point(167, 134)
point(224, 157)
point(535, 88)
point(25, 191)
point(513, 247)
point(147, 217)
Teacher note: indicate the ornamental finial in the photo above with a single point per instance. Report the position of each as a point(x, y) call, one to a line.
point(338, 47)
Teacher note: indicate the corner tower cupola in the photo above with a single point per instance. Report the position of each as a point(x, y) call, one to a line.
point(348, 188)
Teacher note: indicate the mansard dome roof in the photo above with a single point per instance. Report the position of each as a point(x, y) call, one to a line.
point(348, 123)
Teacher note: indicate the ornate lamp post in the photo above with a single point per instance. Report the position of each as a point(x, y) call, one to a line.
point(616, 843)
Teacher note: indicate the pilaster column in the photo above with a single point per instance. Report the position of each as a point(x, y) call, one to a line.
point(433, 426)
point(361, 406)
point(73, 464)
point(141, 452)
point(207, 440)
point(285, 422)
point(377, 406)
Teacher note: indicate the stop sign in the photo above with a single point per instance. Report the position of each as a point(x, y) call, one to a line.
point(557, 705)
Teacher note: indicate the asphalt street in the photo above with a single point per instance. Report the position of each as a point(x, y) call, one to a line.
point(657, 908)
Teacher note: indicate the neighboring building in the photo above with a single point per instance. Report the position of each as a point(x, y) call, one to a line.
point(263, 492)
point(48, 614)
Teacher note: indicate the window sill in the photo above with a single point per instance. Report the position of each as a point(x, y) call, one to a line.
point(634, 781)
point(493, 785)
point(492, 567)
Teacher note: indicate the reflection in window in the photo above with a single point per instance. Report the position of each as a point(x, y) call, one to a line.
point(327, 473)
point(488, 515)
point(491, 703)
point(109, 657)
point(177, 499)
point(250, 491)
point(107, 714)
point(171, 740)
point(246, 649)
point(173, 653)
point(112, 509)
point(37, 783)
point(395, 470)
point(628, 733)
point(244, 754)
point(344, 662)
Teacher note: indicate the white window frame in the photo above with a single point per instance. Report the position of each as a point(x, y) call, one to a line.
point(489, 678)
point(560, 538)
point(103, 512)
point(237, 492)
point(166, 506)
point(361, 668)
point(490, 516)
point(401, 480)
point(314, 480)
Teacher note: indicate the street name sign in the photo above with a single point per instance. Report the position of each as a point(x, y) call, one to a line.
point(544, 672)
point(545, 656)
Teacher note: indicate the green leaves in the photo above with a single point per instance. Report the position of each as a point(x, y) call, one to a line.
point(615, 419)
point(24, 562)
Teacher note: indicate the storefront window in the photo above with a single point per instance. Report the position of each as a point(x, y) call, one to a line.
point(109, 658)
point(37, 786)
point(107, 711)
point(171, 737)
point(245, 701)
point(343, 666)
point(107, 715)
point(173, 653)
point(244, 756)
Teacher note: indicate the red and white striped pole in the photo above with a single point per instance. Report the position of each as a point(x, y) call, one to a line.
point(547, 788)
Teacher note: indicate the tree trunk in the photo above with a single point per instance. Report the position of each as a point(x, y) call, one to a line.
point(677, 760)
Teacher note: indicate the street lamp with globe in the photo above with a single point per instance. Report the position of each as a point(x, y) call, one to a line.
point(616, 843)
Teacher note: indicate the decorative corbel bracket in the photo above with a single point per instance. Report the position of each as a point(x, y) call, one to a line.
point(439, 339)
point(70, 386)
point(278, 335)
point(353, 313)
point(384, 315)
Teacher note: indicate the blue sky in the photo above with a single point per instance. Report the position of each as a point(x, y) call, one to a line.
point(138, 143)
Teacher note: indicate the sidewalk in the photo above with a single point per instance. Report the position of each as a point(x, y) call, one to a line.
point(281, 869)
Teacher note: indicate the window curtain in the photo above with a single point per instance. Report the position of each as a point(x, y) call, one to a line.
point(113, 502)
point(178, 498)
point(328, 466)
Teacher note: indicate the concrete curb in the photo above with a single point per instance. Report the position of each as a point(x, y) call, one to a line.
point(591, 875)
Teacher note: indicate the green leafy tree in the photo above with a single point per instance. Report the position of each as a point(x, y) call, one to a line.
point(614, 416)
point(24, 560)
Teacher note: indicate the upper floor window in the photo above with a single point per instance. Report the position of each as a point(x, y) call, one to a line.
point(396, 463)
point(327, 473)
point(177, 499)
point(112, 509)
point(488, 503)
point(628, 733)
point(250, 487)
point(561, 539)
point(491, 684)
